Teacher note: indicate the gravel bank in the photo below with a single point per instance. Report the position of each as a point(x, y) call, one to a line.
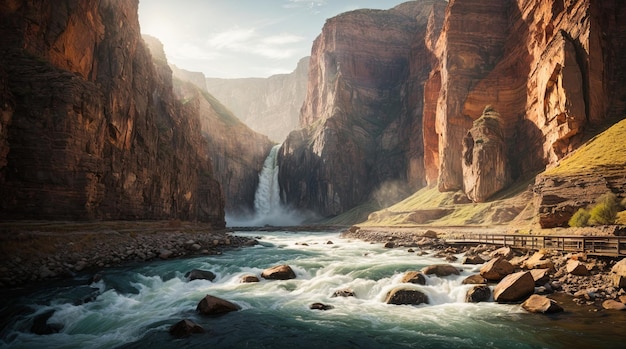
point(32, 251)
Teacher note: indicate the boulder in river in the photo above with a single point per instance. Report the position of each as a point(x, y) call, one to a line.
point(211, 305)
point(185, 328)
point(440, 270)
point(401, 296)
point(199, 274)
point(473, 260)
point(496, 269)
point(249, 279)
point(414, 277)
point(346, 292)
point(42, 326)
point(279, 272)
point(541, 304)
point(475, 279)
point(320, 306)
point(611, 304)
point(478, 293)
point(514, 287)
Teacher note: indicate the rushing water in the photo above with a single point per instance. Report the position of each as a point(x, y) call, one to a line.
point(134, 306)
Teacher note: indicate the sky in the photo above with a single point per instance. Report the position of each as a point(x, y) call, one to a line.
point(241, 38)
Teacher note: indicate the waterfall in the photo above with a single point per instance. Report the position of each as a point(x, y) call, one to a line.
point(267, 197)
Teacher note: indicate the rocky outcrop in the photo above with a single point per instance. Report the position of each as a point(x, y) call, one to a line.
point(270, 106)
point(358, 122)
point(90, 126)
point(185, 328)
point(414, 277)
point(558, 197)
point(485, 164)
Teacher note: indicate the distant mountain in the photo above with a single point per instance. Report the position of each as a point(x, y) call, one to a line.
point(270, 106)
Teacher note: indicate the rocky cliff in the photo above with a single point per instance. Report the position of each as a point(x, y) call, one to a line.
point(551, 68)
point(236, 152)
point(270, 106)
point(392, 94)
point(359, 112)
point(90, 127)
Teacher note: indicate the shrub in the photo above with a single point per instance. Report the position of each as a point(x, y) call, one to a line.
point(580, 218)
point(603, 213)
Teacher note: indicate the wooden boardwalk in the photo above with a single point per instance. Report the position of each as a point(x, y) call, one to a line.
point(613, 246)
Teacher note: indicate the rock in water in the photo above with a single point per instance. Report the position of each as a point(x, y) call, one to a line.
point(440, 270)
point(279, 272)
point(496, 269)
point(611, 304)
point(514, 287)
point(473, 260)
point(485, 165)
point(211, 305)
point(414, 277)
point(479, 293)
point(320, 306)
point(401, 296)
point(249, 278)
point(541, 304)
point(474, 279)
point(185, 328)
point(198, 274)
point(343, 293)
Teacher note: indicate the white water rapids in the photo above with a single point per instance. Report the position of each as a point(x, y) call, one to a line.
point(135, 306)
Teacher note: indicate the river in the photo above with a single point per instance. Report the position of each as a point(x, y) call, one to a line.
point(134, 306)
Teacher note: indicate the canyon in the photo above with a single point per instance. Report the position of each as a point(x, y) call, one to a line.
point(392, 95)
point(94, 123)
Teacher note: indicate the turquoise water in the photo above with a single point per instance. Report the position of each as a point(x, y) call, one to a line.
point(134, 306)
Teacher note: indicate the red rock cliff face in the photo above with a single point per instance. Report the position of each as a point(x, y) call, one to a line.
point(360, 109)
point(551, 68)
point(90, 127)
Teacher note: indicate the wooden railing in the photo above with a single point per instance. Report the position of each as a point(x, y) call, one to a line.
point(592, 245)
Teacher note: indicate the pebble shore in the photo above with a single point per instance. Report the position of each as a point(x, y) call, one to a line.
point(31, 253)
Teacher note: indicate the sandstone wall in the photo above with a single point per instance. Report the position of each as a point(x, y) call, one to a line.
point(551, 68)
point(90, 127)
point(361, 109)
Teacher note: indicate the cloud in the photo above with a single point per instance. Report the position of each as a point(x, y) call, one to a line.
point(232, 39)
point(249, 40)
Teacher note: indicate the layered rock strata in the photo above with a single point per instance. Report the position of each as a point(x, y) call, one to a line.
point(551, 68)
point(357, 123)
point(90, 126)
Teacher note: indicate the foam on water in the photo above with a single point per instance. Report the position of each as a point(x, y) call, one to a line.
point(135, 306)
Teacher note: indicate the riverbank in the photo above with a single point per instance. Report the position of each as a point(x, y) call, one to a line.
point(34, 250)
point(591, 285)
